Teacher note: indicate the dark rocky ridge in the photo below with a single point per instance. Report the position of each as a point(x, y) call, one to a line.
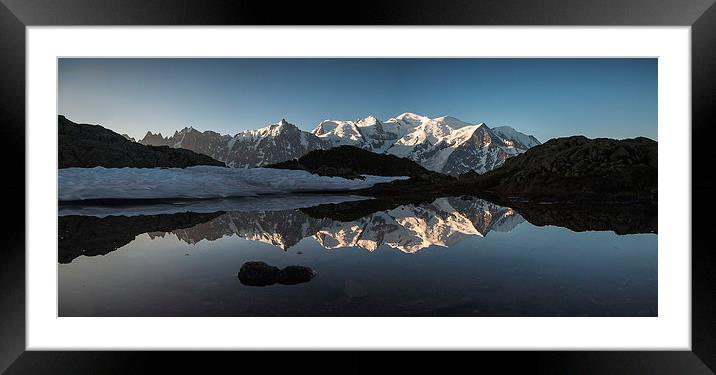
point(87, 146)
point(351, 162)
point(577, 168)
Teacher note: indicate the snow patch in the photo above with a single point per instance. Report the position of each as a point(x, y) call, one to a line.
point(197, 182)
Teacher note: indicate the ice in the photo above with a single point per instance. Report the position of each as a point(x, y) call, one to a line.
point(197, 182)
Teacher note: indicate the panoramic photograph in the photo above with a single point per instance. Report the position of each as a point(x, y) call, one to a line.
point(372, 187)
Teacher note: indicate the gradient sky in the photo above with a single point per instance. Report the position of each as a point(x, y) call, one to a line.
point(548, 98)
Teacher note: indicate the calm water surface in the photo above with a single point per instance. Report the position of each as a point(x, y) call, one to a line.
point(448, 257)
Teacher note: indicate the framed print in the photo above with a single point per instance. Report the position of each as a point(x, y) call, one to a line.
point(517, 182)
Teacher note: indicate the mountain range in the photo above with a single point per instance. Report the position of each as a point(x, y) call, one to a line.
point(443, 144)
point(408, 228)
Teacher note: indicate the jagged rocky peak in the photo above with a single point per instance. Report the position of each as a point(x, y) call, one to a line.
point(484, 136)
point(276, 129)
point(283, 125)
point(150, 134)
point(152, 139)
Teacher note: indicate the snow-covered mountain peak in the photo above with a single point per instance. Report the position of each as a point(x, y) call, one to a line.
point(368, 121)
point(410, 119)
point(339, 132)
point(411, 116)
point(449, 121)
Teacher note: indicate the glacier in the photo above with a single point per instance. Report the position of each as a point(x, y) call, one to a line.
point(198, 182)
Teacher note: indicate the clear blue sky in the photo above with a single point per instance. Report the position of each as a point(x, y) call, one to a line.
point(615, 98)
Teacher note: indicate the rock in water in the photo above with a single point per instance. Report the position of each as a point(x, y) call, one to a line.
point(262, 274)
point(258, 274)
point(295, 275)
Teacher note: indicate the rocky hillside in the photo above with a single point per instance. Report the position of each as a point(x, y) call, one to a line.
point(86, 146)
point(351, 162)
point(576, 168)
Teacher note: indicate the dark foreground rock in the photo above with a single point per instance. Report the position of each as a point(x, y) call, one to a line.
point(352, 162)
point(87, 146)
point(258, 274)
point(577, 169)
point(262, 274)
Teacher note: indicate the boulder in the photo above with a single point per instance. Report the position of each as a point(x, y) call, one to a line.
point(258, 274)
point(261, 274)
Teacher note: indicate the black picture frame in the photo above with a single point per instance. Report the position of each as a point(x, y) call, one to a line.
point(16, 15)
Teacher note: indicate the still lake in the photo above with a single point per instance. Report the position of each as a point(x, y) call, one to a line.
point(454, 256)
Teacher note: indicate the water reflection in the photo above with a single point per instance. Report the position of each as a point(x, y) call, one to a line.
point(408, 228)
point(451, 256)
point(366, 224)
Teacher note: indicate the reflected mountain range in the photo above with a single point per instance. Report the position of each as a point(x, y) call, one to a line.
point(409, 228)
point(367, 224)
